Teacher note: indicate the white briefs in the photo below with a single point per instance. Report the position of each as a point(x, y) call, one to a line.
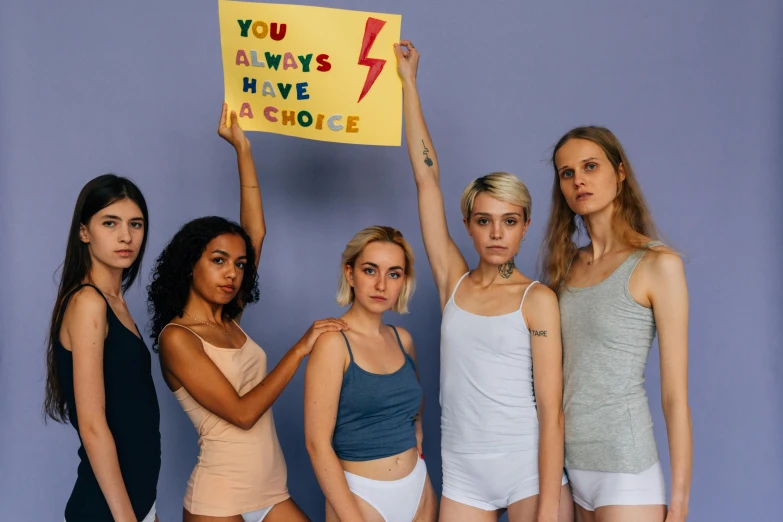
point(593, 489)
point(490, 481)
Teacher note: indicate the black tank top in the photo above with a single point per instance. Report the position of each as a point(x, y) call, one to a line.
point(132, 414)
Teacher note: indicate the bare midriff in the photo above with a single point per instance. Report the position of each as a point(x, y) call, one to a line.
point(388, 468)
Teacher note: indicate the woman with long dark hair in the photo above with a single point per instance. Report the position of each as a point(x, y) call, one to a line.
point(98, 367)
point(201, 284)
point(616, 292)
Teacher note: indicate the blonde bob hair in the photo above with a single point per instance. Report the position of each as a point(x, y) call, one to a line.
point(500, 185)
point(354, 248)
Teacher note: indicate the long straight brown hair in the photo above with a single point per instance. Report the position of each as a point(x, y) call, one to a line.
point(96, 195)
point(632, 222)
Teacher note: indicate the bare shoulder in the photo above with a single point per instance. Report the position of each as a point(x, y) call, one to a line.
point(87, 300)
point(540, 309)
point(540, 296)
point(176, 339)
point(86, 309)
point(405, 338)
point(661, 262)
point(329, 346)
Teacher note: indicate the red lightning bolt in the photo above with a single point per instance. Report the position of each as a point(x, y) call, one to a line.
point(371, 30)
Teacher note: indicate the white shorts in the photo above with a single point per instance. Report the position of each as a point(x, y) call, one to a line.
point(394, 500)
point(593, 489)
point(149, 518)
point(490, 481)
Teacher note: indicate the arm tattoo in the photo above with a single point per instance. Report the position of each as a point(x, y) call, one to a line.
point(427, 160)
point(538, 333)
point(507, 268)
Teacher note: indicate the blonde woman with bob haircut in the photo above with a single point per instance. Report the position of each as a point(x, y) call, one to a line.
point(501, 376)
point(363, 400)
point(615, 292)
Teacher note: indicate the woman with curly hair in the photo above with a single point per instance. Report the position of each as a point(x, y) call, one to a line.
point(201, 283)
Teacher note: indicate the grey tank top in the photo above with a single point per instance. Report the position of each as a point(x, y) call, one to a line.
point(607, 337)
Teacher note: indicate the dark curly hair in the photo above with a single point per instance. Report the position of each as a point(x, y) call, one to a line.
point(173, 272)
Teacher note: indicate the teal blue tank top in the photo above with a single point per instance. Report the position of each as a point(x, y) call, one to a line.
point(376, 412)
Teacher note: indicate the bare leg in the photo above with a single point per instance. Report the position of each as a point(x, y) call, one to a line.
point(524, 510)
point(453, 511)
point(527, 508)
point(583, 515)
point(428, 504)
point(190, 517)
point(286, 511)
point(566, 509)
point(635, 513)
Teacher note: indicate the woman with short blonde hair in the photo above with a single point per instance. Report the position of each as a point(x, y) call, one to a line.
point(501, 374)
point(345, 292)
point(363, 399)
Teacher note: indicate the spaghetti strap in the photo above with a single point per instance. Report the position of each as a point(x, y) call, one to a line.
point(525, 294)
point(181, 326)
point(453, 292)
point(399, 341)
point(350, 353)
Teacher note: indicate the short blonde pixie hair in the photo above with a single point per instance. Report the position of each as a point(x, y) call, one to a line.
point(354, 248)
point(500, 185)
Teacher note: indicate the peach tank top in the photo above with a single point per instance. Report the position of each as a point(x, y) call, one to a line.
point(237, 471)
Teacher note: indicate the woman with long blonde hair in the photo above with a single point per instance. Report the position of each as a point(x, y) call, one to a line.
point(614, 293)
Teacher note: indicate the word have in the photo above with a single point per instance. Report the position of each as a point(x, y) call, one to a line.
point(304, 118)
point(289, 62)
point(267, 89)
point(260, 29)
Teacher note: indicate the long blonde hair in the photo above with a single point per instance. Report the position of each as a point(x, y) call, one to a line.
point(354, 248)
point(632, 222)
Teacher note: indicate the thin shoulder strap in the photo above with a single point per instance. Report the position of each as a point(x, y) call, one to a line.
point(525, 294)
point(399, 341)
point(181, 326)
point(350, 353)
point(453, 292)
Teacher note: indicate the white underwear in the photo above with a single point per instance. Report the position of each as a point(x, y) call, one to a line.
point(394, 500)
point(593, 489)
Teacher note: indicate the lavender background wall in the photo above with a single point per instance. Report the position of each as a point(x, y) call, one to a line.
point(694, 91)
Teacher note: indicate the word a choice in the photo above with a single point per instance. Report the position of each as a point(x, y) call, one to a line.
point(304, 119)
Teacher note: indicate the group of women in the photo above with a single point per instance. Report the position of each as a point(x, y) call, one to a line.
point(544, 412)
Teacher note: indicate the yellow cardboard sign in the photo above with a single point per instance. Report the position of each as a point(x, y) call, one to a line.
point(312, 72)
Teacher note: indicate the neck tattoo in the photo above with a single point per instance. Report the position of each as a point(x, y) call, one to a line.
point(507, 268)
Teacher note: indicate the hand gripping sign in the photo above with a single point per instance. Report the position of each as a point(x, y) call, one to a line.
point(312, 72)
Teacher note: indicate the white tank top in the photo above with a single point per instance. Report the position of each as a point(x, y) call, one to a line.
point(486, 381)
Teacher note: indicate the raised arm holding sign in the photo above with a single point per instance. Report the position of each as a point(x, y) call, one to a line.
point(311, 72)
